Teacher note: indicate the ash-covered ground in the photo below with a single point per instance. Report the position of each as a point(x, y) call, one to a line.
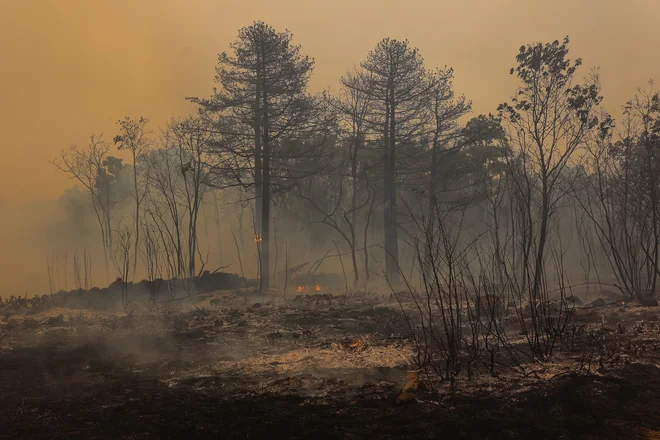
point(323, 364)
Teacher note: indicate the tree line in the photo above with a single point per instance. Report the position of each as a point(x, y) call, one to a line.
point(390, 164)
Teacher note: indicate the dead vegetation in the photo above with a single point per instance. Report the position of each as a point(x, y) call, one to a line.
point(320, 365)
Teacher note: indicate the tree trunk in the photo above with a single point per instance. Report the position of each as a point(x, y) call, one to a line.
point(354, 200)
point(192, 239)
point(389, 211)
point(432, 194)
point(354, 179)
point(137, 215)
point(356, 272)
point(265, 222)
point(258, 169)
point(366, 238)
point(265, 199)
point(543, 236)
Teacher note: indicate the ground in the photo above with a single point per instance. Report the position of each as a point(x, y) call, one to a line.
point(239, 364)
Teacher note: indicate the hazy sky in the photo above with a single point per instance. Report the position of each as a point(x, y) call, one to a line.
point(69, 68)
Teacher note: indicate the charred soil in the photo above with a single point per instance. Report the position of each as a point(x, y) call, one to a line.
point(239, 364)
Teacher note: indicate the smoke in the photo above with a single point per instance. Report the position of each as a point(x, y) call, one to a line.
point(73, 69)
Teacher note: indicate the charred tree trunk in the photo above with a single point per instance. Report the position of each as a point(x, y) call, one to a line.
point(265, 198)
point(432, 186)
point(258, 155)
point(389, 211)
point(137, 214)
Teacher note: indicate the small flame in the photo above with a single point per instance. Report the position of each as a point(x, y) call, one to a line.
point(257, 238)
point(318, 288)
point(300, 289)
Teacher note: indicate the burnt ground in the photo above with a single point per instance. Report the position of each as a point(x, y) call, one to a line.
point(237, 365)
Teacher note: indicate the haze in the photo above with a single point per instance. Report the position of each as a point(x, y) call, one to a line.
point(73, 68)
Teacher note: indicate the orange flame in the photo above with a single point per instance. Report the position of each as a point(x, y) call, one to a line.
point(318, 288)
point(257, 238)
point(300, 289)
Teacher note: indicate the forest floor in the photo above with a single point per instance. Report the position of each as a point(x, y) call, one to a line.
point(236, 364)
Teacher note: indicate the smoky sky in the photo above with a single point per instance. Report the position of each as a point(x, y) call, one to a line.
point(70, 68)
point(73, 67)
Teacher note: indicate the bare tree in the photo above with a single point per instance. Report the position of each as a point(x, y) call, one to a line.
point(164, 205)
point(82, 273)
point(151, 254)
point(547, 121)
point(622, 199)
point(121, 254)
point(77, 277)
point(337, 211)
point(99, 173)
point(190, 140)
point(134, 137)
